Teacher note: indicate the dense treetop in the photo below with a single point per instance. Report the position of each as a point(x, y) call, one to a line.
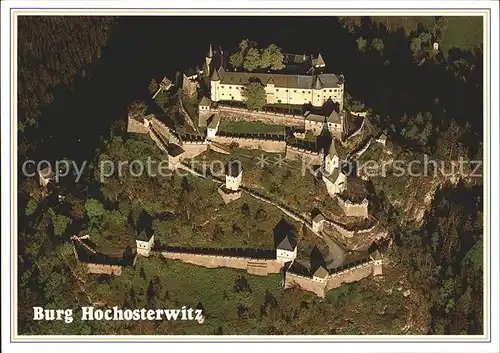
point(251, 58)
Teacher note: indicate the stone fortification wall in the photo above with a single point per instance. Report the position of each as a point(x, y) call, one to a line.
point(300, 154)
point(163, 129)
point(104, 269)
point(271, 146)
point(252, 265)
point(137, 127)
point(352, 209)
point(350, 233)
point(239, 114)
point(349, 275)
point(305, 283)
point(161, 145)
point(364, 148)
point(334, 280)
point(193, 149)
point(217, 148)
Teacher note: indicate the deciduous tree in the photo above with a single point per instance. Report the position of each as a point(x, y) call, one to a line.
point(254, 95)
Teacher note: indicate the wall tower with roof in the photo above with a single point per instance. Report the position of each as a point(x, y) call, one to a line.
point(234, 174)
point(317, 99)
point(214, 86)
point(285, 240)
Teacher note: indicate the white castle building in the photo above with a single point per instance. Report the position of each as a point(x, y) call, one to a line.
point(280, 88)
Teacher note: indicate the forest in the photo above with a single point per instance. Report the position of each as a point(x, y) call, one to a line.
point(438, 112)
point(54, 51)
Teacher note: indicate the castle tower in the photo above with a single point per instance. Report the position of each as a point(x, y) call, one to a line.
point(214, 86)
point(285, 238)
point(320, 274)
point(332, 160)
point(210, 55)
point(319, 62)
point(145, 240)
point(230, 191)
point(287, 249)
point(317, 92)
point(234, 174)
point(340, 84)
point(221, 53)
point(377, 262)
point(318, 223)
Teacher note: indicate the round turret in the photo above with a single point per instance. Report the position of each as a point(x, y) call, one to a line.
point(214, 86)
point(215, 76)
point(317, 92)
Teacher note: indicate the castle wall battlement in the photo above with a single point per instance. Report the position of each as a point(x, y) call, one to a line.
point(158, 141)
point(349, 274)
point(258, 137)
point(193, 149)
point(353, 209)
point(297, 153)
point(302, 150)
point(193, 142)
point(104, 269)
point(267, 145)
point(252, 265)
point(135, 126)
point(347, 233)
point(305, 283)
point(163, 129)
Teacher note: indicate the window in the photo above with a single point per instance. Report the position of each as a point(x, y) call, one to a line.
point(319, 96)
point(230, 87)
point(286, 90)
point(277, 90)
point(222, 86)
point(222, 93)
point(294, 91)
point(330, 90)
point(303, 91)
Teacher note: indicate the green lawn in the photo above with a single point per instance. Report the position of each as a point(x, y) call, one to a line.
point(250, 127)
point(176, 284)
point(464, 33)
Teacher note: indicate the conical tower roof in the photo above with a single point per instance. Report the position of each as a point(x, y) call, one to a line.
point(320, 61)
point(210, 52)
point(215, 76)
point(317, 84)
